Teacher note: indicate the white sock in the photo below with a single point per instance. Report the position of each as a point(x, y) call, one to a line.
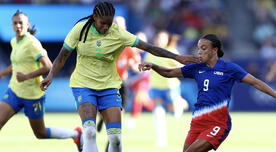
point(89, 137)
point(180, 105)
point(61, 133)
point(115, 144)
point(159, 114)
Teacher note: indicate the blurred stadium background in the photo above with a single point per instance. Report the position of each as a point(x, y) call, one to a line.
point(246, 27)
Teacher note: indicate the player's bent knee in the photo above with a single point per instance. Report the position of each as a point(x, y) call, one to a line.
point(114, 139)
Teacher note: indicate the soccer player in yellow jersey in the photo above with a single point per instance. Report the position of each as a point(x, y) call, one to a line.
point(95, 81)
point(29, 62)
point(164, 92)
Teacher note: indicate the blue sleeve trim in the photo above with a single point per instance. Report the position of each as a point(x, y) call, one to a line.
point(135, 42)
point(67, 47)
point(39, 56)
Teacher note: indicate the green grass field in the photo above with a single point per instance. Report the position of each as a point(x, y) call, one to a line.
point(251, 132)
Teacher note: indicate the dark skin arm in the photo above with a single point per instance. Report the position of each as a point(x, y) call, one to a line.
point(164, 71)
point(47, 64)
point(57, 65)
point(258, 84)
point(157, 51)
point(6, 71)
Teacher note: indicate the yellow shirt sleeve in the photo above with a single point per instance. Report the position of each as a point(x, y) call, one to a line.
point(72, 39)
point(37, 50)
point(127, 38)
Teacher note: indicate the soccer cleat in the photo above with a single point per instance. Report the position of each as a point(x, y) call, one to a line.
point(77, 139)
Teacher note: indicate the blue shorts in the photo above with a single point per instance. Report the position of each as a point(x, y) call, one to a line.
point(33, 108)
point(161, 94)
point(102, 99)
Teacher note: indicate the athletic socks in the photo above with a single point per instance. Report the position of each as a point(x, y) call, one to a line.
point(60, 133)
point(159, 115)
point(89, 136)
point(114, 136)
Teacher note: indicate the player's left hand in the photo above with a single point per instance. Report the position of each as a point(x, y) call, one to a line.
point(187, 59)
point(144, 66)
point(21, 77)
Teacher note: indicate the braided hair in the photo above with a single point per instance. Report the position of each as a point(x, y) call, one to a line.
point(100, 9)
point(31, 30)
point(216, 43)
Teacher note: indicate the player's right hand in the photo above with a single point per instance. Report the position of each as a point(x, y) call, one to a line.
point(45, 83)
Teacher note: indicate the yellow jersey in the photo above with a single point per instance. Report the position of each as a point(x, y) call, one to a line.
point(97, 57)
point(156, 80)
point(24, 58)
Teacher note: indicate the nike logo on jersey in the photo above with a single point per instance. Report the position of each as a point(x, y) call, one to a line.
point(218, 73)
point(201, 72)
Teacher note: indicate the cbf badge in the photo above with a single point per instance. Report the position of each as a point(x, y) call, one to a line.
point(99, 43)
point(79, 98)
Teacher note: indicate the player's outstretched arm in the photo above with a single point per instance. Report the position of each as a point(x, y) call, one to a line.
point(6, 71)
point(164, 71)
point(184, 59)
point(258, 84)
point(57, 65)
point(47, 64)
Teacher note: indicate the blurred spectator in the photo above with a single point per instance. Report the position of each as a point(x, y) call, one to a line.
point(265, 20)
point(271, 74)
point(268, 49)
point(265, 34)
point(56, 1)
point(253, 68)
